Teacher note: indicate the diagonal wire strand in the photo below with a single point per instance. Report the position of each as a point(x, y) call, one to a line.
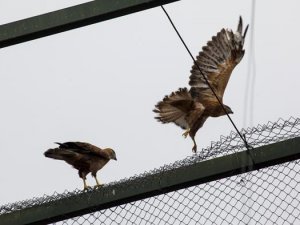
point(209, 85)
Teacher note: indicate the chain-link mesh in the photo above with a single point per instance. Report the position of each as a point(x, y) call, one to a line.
point(267, 196)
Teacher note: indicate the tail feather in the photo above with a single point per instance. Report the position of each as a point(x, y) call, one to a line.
point(174, 108)
point(60, 154)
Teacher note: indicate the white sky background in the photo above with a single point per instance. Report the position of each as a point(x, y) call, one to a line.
point(100, 83)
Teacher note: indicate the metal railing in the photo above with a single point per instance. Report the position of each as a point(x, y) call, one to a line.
point(223, 184)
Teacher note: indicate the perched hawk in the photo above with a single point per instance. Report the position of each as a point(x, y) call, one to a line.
point(82, 156)
point(189, 109)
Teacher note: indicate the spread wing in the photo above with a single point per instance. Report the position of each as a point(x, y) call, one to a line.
point(216, 61)
point(175, 108)
point(82, 148)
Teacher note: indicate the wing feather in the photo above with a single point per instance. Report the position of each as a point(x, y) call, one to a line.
point(82, 148)
point(216, 62)
point(179, 108)
point(174, 108)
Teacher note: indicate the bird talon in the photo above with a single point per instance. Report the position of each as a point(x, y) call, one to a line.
point(186, 133)
point(194, 149)
point(86, 188)
point(98, 186)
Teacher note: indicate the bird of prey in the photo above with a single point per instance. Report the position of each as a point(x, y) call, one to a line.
point(82, 156)
point(189, 109)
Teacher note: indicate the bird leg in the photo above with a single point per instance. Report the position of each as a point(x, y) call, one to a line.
point(85, 186)
point(98, 183)
point(194, 149)
point(82, 175)
point(186, 133)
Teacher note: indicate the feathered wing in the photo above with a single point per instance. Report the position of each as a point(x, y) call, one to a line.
point(82, 148)
point(175, 108)
point(63, 154)
point(216, 61)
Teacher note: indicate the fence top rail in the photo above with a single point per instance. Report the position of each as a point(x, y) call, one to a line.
point(71, 18)
point(272, 144)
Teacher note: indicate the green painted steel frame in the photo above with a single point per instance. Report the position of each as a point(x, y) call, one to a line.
point(156, 184)
point(71, 18)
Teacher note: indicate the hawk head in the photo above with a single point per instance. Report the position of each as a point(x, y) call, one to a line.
point(111, 153)
point(228, 110)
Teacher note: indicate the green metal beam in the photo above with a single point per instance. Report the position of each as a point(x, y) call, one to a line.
point(71, 18)
point(155, 184)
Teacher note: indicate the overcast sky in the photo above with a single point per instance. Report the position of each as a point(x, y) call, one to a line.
point(99, 84)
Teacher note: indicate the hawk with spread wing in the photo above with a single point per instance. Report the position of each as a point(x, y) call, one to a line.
point(82, 156)
point(189, 109)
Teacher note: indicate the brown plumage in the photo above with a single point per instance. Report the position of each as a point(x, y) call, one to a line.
point(82, 156)
point(189, 109)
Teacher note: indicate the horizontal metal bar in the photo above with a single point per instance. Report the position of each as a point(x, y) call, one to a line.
point(71, 18)
point(156, 184)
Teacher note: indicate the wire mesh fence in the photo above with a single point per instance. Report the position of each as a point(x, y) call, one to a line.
point(265, 196)
point(268, 196)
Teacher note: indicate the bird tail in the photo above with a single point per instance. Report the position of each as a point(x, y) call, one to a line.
point(58, 153)
point(174, 108)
